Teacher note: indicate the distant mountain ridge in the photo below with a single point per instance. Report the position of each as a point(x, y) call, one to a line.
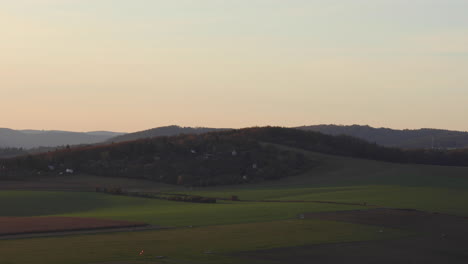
point(27, 139)
point(424, 138)
point(164, 131)
point(407, 139)
point(30, 138)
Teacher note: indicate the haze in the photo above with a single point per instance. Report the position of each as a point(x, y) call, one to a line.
point(119, 65)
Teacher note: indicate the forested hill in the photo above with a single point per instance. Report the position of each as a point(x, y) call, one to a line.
point(194, 160)
point(351, 146)
point(165, 131)
point(408, 139)
point(226, 157)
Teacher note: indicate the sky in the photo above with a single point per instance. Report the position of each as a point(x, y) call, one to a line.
point(129, 65)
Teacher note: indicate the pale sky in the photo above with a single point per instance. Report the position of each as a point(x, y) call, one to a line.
point(128, 65)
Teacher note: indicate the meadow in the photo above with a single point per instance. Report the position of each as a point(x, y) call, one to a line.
point(340, 179)
point(217, 233)
point(187, 245)
point(152, 211)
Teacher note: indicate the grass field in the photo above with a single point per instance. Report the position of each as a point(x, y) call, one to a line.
point(341, 179)
point(158, 212)
point(227, 228)
point(186, 245)
point(433, 199)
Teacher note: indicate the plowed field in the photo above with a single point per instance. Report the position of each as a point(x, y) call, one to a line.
point(26, 225)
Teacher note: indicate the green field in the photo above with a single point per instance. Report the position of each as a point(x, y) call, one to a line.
point(341, 179)
point(151, 211)
point(432, 199)
point(186, 245)
point(227, 228)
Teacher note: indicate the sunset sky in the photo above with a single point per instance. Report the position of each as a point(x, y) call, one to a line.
point(128, 65)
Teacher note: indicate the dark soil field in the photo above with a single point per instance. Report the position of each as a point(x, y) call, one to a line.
point(79, 182)
point(32, 225)
point(437, 238)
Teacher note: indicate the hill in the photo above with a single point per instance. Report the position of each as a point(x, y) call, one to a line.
point(216, 158)
point(282, 220)
point(27, 139)
point(194, 160)
point(409, 139)
point(165, 131)
point(343, 145)
point(244, 227)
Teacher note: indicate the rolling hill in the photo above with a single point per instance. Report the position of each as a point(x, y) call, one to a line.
point(216, 158)
point(28, 139)
point(409, 139)
point(272, 217)
point(164, 131)
point(197, 160)
point(229, 229)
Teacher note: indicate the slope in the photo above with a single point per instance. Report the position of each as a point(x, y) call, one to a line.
point(418, 138)
point(34, 138)
point(164, 131)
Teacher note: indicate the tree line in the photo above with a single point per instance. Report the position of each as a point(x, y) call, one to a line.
point(353, 147)
point(192, 160)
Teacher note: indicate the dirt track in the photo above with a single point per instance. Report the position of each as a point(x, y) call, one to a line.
point(29, 227)
point(442, 239)
point(82, 232)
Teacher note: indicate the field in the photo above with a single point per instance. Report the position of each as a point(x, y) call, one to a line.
point(444, 240)
point(187, 244)
point(383, 184)
point(157, 212)
point(255, 229)
point(27, 225)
